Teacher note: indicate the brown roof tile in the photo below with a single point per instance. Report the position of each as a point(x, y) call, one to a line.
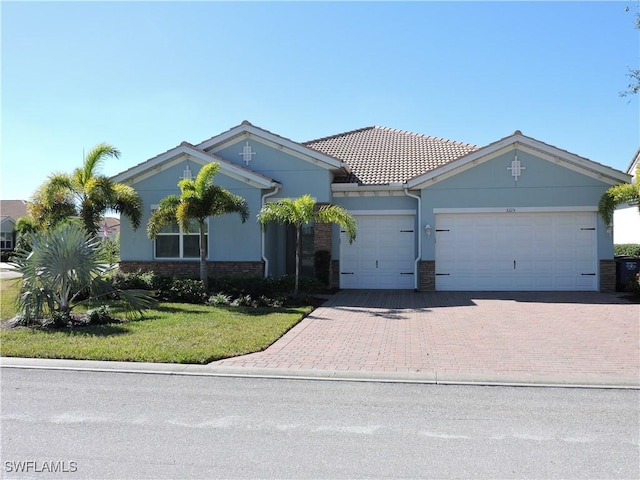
point(13, 208)
point(381, 155)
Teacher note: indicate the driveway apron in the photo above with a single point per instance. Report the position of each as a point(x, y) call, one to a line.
point(513, 336)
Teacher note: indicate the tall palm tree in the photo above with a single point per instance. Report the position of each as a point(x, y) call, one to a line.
point(86, 194)
point(616, 195)
point(300, 211)
point(198, 200)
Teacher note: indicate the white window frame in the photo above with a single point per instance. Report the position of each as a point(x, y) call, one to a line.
point(180, 233)
point(7, 237)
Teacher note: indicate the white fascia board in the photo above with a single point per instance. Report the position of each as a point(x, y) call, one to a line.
point(184, 152)
point(251, 132)
point(362, 213)
point(520, 142)
point(356, 190)
point(515, 210)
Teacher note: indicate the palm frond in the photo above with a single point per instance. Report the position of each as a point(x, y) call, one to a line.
point(336, 214)
point(95, 157)
point(164, 215)
point(205, 177)
point(615, 196)
point(125, 200)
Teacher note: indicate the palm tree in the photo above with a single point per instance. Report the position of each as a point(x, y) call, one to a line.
point(63, 265)
point(303, 210)
point(198, 200)
point(616, 195)
point(85, 194)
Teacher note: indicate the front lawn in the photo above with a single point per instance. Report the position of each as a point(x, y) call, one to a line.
point(172, 333)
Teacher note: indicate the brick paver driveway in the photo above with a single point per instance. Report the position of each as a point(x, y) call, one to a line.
point(523, 336)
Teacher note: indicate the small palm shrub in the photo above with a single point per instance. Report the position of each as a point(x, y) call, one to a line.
point(64, 270)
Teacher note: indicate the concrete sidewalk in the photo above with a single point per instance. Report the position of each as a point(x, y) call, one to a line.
point(555, 339)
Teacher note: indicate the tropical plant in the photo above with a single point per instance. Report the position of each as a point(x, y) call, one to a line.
point(300, 211)
point(85, 194)
point(62, 268)
point(198, 200)
point(617, 195)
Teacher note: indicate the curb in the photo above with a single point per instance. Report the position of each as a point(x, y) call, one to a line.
point(432, 378)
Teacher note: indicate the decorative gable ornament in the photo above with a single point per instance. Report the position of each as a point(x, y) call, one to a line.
point(516, 168)
point(186, 174)
point(247, 153)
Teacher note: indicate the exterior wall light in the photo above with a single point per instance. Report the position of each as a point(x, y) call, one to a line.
point(428, 230)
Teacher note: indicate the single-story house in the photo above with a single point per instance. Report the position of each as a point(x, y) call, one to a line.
point(10, 212)
point(626, 218)
point(432, 214)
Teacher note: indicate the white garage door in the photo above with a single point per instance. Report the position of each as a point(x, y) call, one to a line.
point(383, 254)
point(516, 251)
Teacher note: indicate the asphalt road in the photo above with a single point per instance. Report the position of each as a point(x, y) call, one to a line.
point(118, 425)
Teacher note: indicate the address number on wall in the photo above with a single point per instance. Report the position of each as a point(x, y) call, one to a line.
point(511, 210)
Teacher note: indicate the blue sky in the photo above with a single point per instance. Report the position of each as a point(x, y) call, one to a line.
point(145, 76)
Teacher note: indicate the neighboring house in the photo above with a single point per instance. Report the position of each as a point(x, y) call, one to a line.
point(626, 218)
point(432, 214)
point(109, 228)
point(10, 212)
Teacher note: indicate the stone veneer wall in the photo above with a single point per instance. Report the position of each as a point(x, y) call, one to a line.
point(192, 269)
point(322, 240)
point(427, 276)
point(607, 276)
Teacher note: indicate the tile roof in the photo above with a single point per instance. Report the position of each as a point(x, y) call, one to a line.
point(381, 155)
point(13, 208)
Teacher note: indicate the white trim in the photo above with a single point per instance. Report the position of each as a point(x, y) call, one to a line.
point(187, 153)
point(515, 210)
point(263, 236)
point(381, 212)
point(277, 199)
point(522, 143)
point(245, 131)
point(416, 262)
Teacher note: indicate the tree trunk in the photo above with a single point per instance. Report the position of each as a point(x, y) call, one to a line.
point(298, 248)
point(203, 257)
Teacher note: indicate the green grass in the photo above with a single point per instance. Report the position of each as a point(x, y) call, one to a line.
point(9, 289)
point(173, 333)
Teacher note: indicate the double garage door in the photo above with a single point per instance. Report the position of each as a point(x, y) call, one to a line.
point(516, 251)
point(476, 251)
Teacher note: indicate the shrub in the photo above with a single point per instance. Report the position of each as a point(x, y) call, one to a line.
point(100, 315)
point(219, 299)
point(140, 280)
point(5, 255)
point(627, 249)
point(184, 290)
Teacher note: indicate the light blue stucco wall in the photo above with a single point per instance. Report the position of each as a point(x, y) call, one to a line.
point(229, 238)
point(491, 185)
point(297, 176)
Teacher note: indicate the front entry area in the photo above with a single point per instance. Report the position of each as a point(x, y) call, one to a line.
point(383, 254)
point(513, 251)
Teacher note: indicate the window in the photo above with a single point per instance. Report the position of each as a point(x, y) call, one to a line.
point(171, 242)
point(6, 241)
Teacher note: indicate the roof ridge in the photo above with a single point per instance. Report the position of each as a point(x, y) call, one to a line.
point(350, 132)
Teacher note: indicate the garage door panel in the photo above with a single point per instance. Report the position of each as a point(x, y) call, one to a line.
point(552, 251)
point(383, 255)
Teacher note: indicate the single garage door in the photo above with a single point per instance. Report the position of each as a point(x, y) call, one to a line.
point(383, 254)
point(516, 251)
